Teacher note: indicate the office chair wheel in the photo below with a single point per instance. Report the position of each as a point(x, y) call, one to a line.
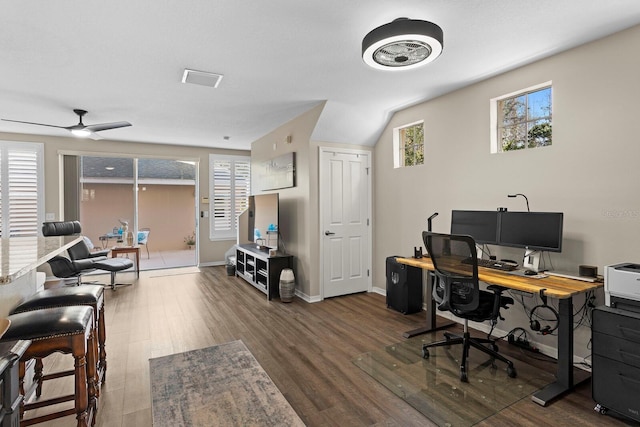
point(494, 347)
point(425, 353)
point(463, 377)
point(511, 371)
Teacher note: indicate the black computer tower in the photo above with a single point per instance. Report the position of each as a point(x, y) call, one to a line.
point(404, 287)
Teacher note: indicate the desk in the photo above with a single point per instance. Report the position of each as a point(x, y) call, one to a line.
point(556, 287)
point(128, 250)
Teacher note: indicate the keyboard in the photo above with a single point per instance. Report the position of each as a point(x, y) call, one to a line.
point(497, 265)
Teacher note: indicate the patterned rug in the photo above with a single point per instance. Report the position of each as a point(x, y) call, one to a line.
point(223, 385)
point(433, 386)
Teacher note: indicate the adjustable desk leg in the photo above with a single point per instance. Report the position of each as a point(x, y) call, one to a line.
point(564, 381)
point(431, 312)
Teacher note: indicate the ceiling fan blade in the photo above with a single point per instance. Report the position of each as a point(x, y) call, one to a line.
point(32, 123)
point(95, 136)
point(106, 126)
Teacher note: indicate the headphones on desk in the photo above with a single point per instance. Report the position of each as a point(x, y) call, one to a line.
point(535, 325)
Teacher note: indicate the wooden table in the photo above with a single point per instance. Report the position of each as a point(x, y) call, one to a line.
point(552, 286)
point(128, 250)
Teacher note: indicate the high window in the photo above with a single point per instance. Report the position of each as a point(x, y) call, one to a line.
point(21, 189)
point(408, 145)
point(229, 190)
point(522, 120)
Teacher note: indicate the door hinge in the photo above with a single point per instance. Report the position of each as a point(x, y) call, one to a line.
point(367, 221)
point(367, 169)
point(367, 272)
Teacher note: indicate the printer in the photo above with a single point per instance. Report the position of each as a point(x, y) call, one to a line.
point(622, 286)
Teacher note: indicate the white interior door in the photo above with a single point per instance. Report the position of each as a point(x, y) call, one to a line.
point(345, 209)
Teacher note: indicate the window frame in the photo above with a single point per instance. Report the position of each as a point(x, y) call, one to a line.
point(231, 233)
point(399, 158)
point(496, 146)
point(6, 147)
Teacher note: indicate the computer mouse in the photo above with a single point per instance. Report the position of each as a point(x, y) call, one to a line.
point(530, 273)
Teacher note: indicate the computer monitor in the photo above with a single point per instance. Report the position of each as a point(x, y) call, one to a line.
point(536, 231)
point(481, 225)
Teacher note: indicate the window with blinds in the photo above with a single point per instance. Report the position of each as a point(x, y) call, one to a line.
point(229, 190)
point(21, 189)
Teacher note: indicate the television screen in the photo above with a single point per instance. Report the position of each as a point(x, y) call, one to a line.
point(481, 225)
point(263, 219)
point(540, 231)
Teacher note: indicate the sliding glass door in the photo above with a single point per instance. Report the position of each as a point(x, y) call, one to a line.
point(152, 198)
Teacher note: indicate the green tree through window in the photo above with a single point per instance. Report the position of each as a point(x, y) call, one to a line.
point(412, 145)
point(524, 120)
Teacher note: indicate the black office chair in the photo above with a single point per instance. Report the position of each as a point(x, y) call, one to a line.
point(457, 290)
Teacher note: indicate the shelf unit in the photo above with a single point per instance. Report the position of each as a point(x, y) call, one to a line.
point(254, 265)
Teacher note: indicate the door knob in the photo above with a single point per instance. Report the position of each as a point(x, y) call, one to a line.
point(328, 233)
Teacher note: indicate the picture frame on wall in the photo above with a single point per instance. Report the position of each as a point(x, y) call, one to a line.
point(277, 173)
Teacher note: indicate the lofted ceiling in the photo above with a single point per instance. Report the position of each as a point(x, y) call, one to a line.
point(124, 60)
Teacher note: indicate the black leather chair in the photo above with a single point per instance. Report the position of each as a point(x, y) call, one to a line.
point(65, 268)
point(82, 260)
point(457, 290)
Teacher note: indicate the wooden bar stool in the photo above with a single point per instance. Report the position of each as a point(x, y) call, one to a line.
point(91, 295)
point(68, 330)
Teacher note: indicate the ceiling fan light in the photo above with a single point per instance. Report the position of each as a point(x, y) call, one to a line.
point(81, 133)
point(402, 44)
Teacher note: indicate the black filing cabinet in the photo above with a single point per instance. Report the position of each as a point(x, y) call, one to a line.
point(615, 371)
point(404, 287)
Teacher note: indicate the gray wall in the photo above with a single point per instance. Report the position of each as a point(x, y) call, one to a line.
point(590, 172)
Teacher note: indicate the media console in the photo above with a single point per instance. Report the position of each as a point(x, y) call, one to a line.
point(254, 265)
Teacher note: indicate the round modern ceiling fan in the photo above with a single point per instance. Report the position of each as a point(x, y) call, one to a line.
point(81, 130)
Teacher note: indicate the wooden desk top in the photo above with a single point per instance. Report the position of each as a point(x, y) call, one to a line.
point(555, 287)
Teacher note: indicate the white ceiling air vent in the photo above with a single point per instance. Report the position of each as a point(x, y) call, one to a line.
point(201, 78)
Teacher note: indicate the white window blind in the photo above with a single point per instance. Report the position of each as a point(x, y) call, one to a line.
point(21, 189)
point(230, 178)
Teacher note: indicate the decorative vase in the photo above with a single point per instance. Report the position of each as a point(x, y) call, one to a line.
point(287, 285)
point(129, 238)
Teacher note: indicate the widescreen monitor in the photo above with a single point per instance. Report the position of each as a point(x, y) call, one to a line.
point(481, 225)
point(540, 231)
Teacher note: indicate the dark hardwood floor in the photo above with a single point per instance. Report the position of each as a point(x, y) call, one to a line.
point(305, 348)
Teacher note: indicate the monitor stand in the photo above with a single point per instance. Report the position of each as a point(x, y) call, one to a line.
point(531, 260)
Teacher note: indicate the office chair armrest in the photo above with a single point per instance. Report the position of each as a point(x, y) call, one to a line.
point(496, 289)
point(500, 300)
point(445, 303)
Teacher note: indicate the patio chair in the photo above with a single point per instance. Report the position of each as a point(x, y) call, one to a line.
point(143, 238)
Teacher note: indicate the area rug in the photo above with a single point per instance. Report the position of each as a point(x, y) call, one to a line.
point(433, 386)
point(223, 385)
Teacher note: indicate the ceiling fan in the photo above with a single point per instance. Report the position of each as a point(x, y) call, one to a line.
point(81, 130)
